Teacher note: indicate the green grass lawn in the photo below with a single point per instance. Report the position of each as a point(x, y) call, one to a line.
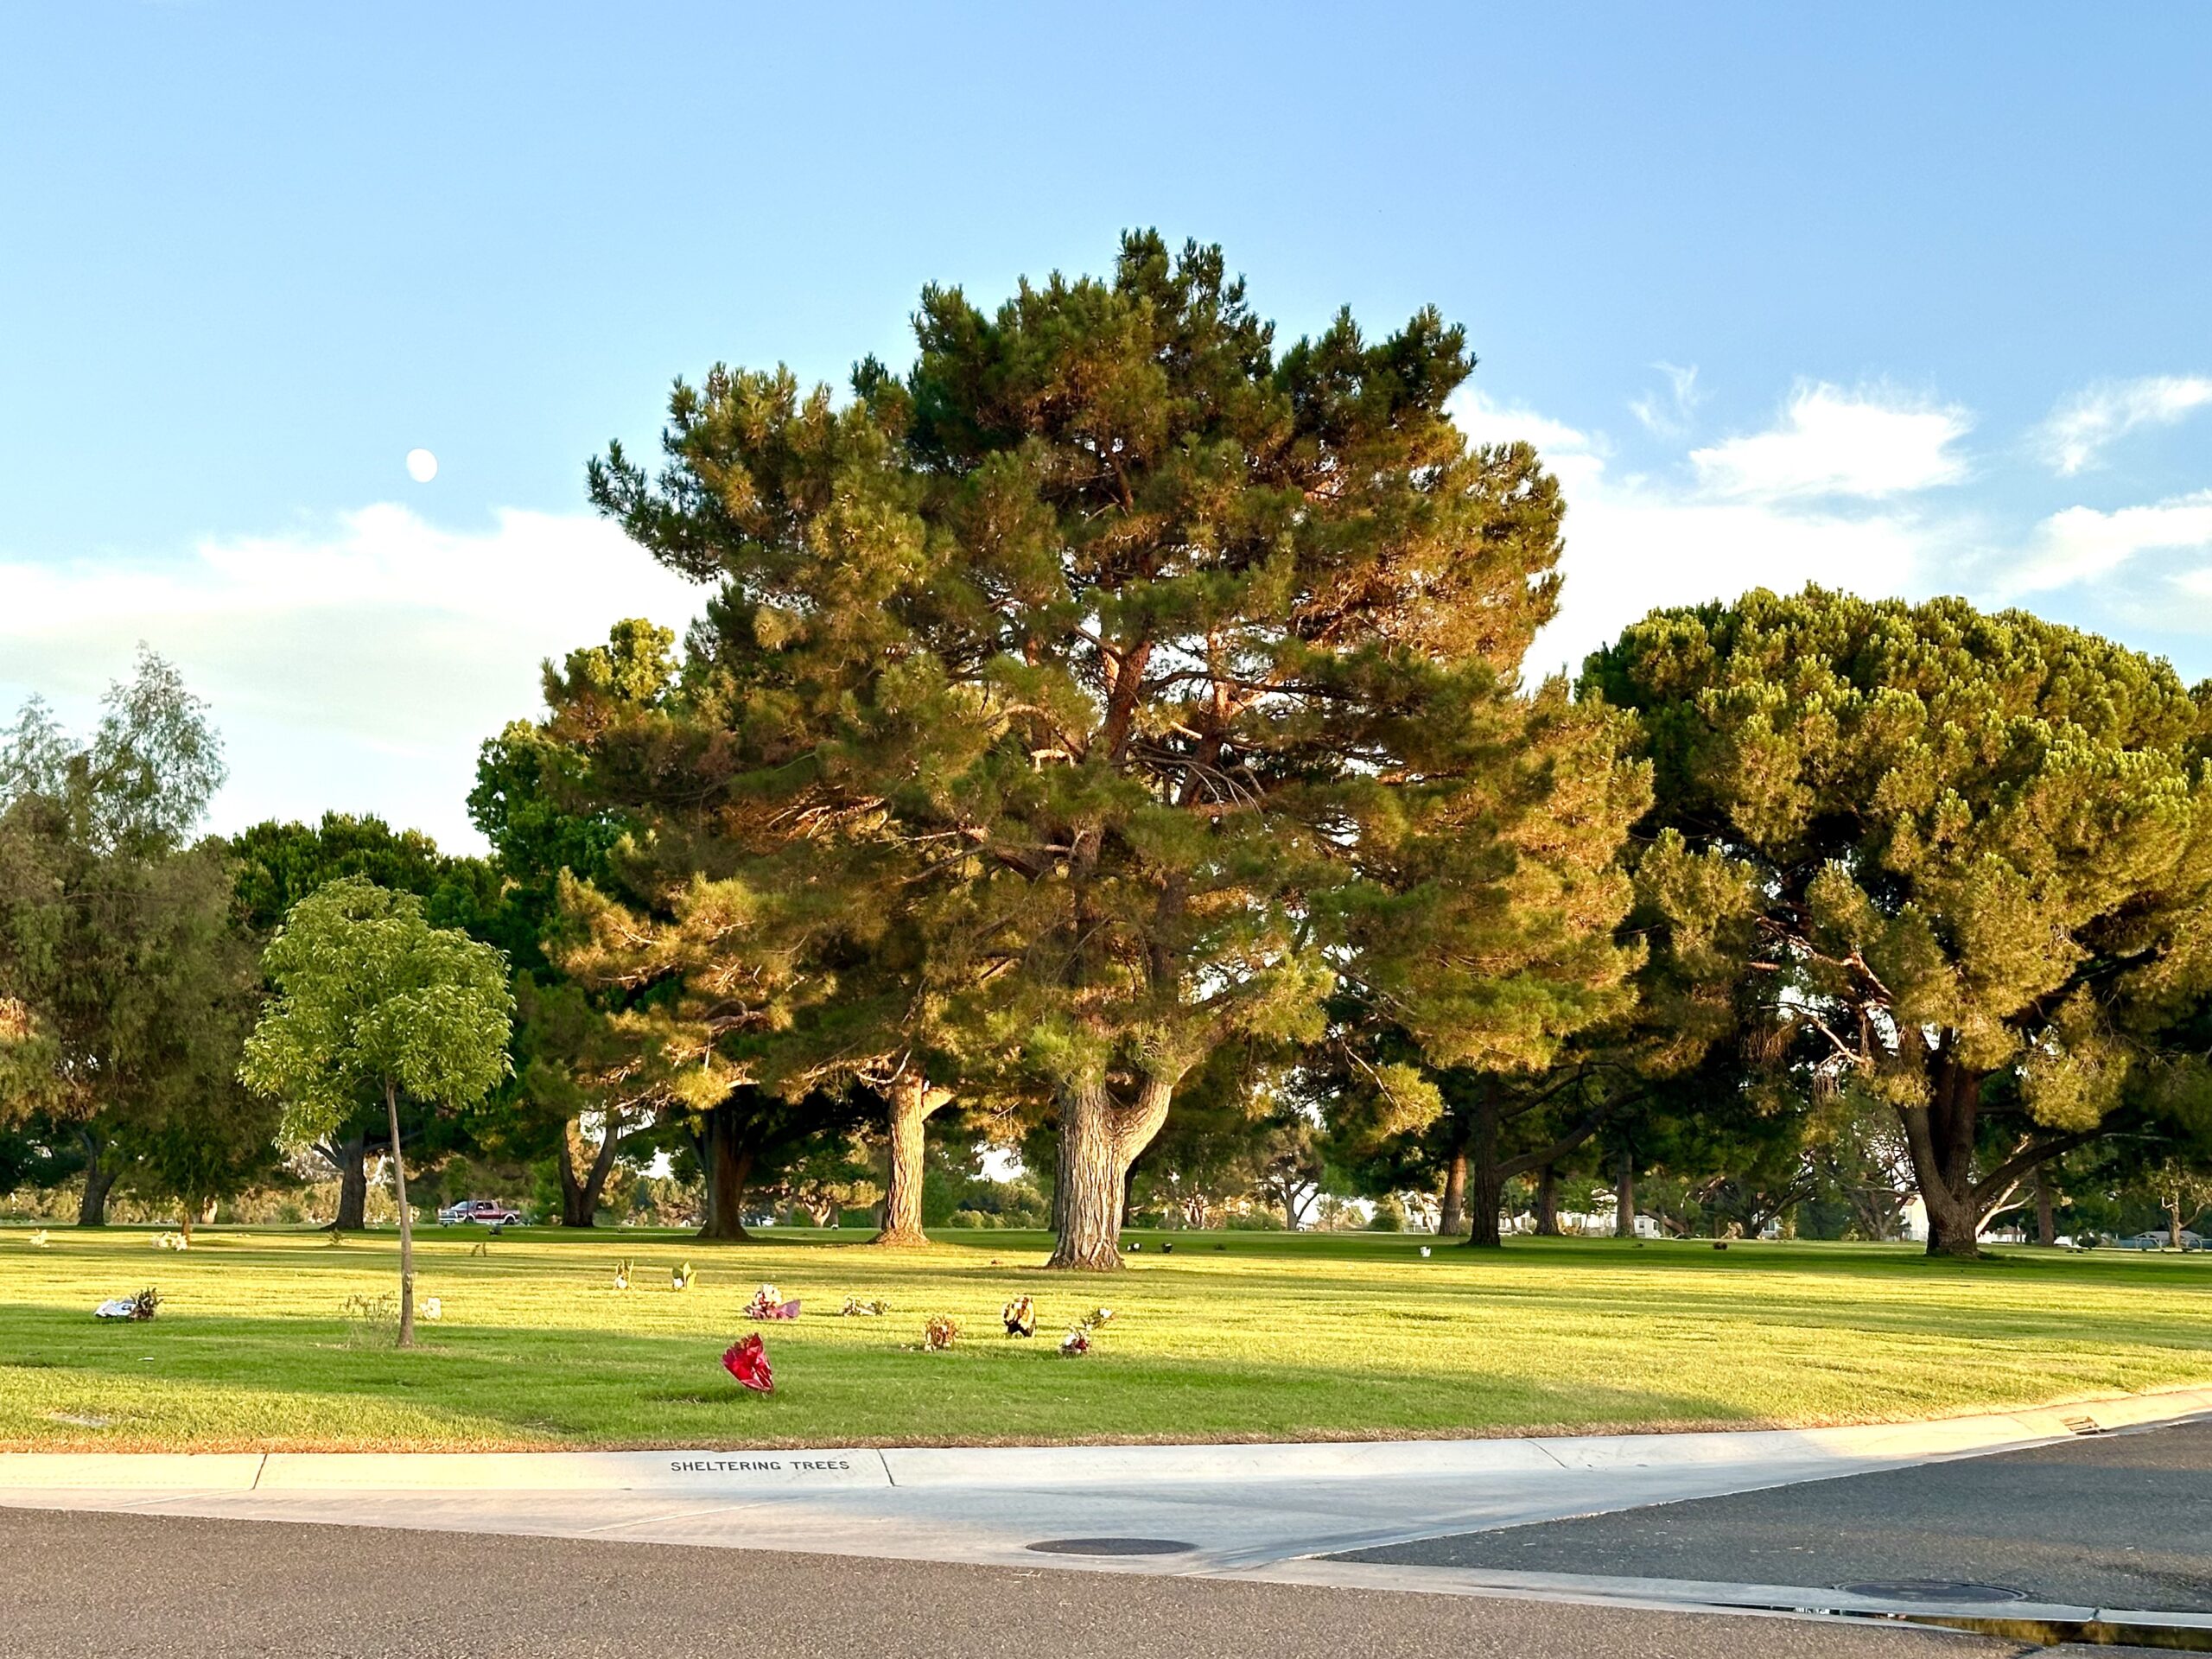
point(1236, 1336)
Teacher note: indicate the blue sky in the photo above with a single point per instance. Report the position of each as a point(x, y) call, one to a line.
point(1909, 299)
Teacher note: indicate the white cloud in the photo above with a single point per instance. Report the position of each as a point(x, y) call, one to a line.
point(1635, 542)
point(2083, 544)
point(2078, 431)
point(1670, 418)
point(1833, 442)
point(357, 668)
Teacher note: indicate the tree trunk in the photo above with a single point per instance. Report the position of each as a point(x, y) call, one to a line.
point(728, 1162)
point(580, 1192)
point(352, 1158)
point(100, 1181)
point(1099, 1140)
point(1624, 1196)
point(1451, 1209)
point(1940, 1138)
point(2173, 1222)
point(406, 1222)
point(2046, 1208)
point(907, 1107)
point(1485, 1176)
point(1547, 1202)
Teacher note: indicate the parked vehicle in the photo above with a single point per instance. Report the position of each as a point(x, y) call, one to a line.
point(488, 1211)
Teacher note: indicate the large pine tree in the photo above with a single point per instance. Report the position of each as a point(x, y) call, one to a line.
point(1142, 671)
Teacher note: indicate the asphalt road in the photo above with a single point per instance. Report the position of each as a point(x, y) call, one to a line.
point(150, 1586)
point(2106, 1520)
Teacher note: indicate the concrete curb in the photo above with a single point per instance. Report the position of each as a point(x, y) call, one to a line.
point(682, 1470)
point(1678, 1593)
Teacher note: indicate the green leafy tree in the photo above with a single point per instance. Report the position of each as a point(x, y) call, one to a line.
point(1106, 643)
point(584, 1092)
point(279, 863)
point(120, 987)
point(1976, 851)
point(371, 999)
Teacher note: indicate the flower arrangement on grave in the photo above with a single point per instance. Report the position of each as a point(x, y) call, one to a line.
point(768, 1303)
point(939, 1334)
point(681, 1278)
point(1075, 1344)
point(432, 1308)
point(38, 1239)
point(171, 1241)
point(622, 1274)
point(1020, 1317)
point(747, 1361)
point(141, 1306)
point(855, 1308)
point(1097, 1317)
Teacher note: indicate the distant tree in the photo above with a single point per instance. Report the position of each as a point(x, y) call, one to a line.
point(371, 997)
point(1977, 851)
point(120, 981)
point(583, 1091)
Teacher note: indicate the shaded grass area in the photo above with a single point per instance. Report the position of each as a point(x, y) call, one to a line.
point(1243, 1336)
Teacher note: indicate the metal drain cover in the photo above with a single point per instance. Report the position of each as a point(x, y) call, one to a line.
point(1112, 1546)
point(1933, 1590)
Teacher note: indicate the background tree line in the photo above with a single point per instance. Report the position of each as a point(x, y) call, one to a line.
point(1107, 741)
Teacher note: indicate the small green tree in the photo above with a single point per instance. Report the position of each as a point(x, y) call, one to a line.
point(373, 1000)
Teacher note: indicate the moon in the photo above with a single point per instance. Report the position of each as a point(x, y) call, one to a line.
point(422, 466)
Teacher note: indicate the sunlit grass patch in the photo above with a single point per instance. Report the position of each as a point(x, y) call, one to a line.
point(1268, 1336)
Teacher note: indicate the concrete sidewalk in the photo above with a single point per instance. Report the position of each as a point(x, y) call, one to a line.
point(1223, 1509)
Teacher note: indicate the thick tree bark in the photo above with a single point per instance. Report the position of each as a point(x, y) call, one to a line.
point(1100, 1138)
point(1487, 1172)
point(908, 1104)
point(406, 1222)
point(1624, 1196)
point(1485, 1177)
point(728, 1162)
point(350, 1157)
point(2046, 1207)
point(1451, 1209)
point(1940, 1136)
point(100, 1181)
point(1547, 1202)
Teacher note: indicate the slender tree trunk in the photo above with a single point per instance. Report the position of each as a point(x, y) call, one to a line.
point(1099, 1141)
point(1451, 1209)
point(351, 1158)
point(1547, 1202)
point(2173, 1222)
point(184, 1226)
point(100, 1181)
point(1485, 1176)
point(406, 1222)
point(908, 1107)
point(2046, 1208)
point(581, 1189)
point(1624, 1196)
point(728, 1162)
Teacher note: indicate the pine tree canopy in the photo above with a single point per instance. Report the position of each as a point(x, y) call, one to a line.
point(1145, 667)
point(1977, 850)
